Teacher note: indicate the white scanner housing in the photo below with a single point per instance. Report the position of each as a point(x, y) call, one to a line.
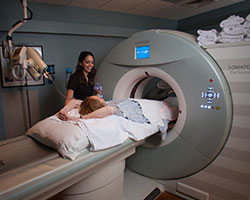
point(203, 94)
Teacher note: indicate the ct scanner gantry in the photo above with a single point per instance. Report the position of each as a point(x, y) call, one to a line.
point(203, 94)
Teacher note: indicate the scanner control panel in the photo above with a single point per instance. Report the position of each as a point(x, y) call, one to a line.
point(210, 95)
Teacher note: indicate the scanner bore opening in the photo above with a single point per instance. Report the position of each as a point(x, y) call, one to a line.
point(157, 89)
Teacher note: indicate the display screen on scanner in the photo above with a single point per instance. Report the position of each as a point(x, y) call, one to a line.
point(142, 52)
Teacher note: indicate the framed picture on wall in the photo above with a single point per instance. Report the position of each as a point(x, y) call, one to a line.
point(7, 78)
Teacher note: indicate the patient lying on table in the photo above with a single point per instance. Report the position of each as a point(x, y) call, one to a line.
point(132, 109)
point(97, 125)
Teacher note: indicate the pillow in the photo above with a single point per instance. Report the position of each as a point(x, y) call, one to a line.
point(64, 136)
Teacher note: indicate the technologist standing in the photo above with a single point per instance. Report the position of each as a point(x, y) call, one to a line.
point(81, 82)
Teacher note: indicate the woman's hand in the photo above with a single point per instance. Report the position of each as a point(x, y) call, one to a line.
point(98, 92)
point(63, 116)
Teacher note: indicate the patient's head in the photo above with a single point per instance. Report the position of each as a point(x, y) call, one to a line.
point(91, 104)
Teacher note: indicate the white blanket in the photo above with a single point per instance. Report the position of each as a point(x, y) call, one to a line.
point(70, 138)
point(114, 130)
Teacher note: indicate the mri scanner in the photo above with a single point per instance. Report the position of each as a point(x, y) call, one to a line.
point(205, 153)
point(204, 98)
point(198, 143)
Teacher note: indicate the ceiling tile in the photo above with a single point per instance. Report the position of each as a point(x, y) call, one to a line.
point(180, 10)
point(93, 4)
point(168, 9)
point(149, 7)
point(121, 5)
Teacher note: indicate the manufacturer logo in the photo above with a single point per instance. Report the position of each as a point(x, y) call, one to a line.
point(143, 42)
point(239, 69)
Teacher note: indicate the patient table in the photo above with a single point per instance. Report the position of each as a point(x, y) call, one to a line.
point(32, 171)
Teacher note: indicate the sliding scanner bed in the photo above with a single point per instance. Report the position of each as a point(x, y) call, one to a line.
point(30, 170)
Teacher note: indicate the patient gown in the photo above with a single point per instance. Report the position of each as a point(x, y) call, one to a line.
point(129, 109)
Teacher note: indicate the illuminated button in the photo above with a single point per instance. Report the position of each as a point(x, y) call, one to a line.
point(209, 107)
point(217, 107)
point(210, 95)
point(202, 106)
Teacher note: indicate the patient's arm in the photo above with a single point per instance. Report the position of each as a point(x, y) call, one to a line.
point(100, 113)
point(73, 103)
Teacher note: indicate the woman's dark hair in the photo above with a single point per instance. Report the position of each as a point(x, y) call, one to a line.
point(79, 68)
